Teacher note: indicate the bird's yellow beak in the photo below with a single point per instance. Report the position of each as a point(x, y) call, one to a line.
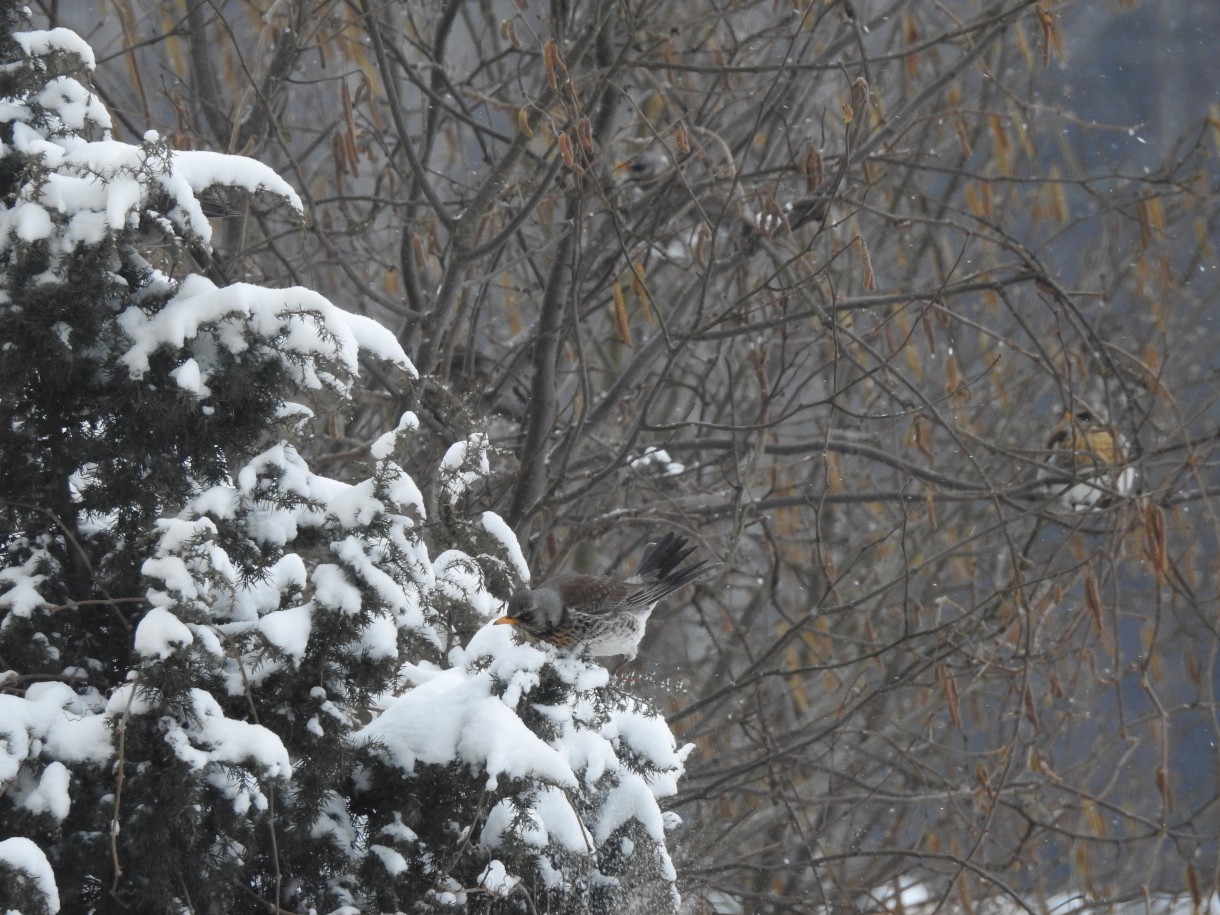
point(510, 620)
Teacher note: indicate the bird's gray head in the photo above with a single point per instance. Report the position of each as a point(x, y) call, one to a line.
point(646, 166)
point(536, 612)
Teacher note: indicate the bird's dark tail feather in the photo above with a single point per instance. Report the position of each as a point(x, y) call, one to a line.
point(662, 559)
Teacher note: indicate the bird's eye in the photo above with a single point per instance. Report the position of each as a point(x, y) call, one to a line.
point(519, 610)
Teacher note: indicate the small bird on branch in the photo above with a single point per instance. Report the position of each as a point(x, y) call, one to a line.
point(602, 615)
point(1091, 461)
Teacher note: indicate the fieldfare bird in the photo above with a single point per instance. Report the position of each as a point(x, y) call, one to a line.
point(645, 167)
point(1090, 458)
point(683, 197)
point(601, 615)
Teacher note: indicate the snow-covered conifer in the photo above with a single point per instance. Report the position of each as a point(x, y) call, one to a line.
point(202, 639)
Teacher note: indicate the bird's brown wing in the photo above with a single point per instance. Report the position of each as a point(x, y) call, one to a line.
point(1084, 447)
point(590, 593)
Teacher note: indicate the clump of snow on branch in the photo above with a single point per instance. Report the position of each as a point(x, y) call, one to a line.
point(502, 534)
point(375, 566)
point(307, 329)
point(45, 42)
point(463, 464)
point(25, 861)
point(600, 767)
point(52, 724)
point(657, 459)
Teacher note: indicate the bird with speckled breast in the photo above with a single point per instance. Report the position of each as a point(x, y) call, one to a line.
point(1091, 461)
point(600, 615)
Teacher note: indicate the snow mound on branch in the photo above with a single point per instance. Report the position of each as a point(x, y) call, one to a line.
point(45, 42)
point(499, 530)
point(304, 324)
point(88, 190)
point(51, 721)
point(600, 767)
point(373, 569)
point(455, 715)
point(205, 735)
point(551, 819)
point(202, 169)
point(21, 597)
point(463, 464)
point(21, 854)
point(160, 634)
